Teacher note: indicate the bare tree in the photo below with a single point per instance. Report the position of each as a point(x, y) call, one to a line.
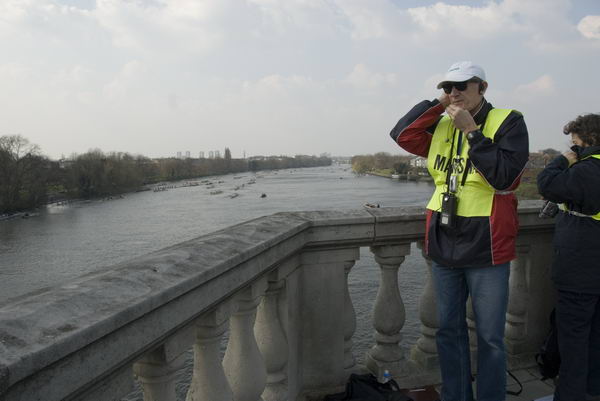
point(22, 182)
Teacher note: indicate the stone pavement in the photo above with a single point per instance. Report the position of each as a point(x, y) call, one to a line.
point(533, 387)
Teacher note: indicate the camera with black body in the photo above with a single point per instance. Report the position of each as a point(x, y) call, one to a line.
point(449, 206)
point(549, 210)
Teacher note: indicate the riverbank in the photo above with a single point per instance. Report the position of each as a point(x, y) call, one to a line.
point(97, 174)
point(527, 189)
point(406, 177)
point(208, 181)
point(22, 215)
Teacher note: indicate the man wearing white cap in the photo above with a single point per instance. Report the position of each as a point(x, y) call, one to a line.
point(476, 155)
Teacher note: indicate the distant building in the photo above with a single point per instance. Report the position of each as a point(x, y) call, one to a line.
point(217, 154)
point(187, 154)
point(179, 155)
point(201, 155)
point(418, 161)
point(211, 154)
point(341, 159)
point(65, 163)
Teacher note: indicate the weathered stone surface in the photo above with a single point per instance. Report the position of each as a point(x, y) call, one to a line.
point(335, 227)
point(115, 315)
point(393, 224)
point(4, 380)
point(320, 320)
point(118, 384)
point(58, 342)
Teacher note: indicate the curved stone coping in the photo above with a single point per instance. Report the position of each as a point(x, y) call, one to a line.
point(85, 329)
point(136, 305)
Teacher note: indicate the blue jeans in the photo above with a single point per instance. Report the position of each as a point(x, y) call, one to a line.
point(488, 287)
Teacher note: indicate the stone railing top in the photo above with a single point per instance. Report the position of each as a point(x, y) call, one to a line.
point(99, 309)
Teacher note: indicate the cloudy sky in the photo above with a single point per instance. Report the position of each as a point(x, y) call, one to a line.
point(155, 77)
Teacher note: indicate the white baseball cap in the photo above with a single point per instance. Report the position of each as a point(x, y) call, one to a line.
point(462, 71)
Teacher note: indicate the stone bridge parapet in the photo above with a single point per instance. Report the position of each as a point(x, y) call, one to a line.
point(277, 286)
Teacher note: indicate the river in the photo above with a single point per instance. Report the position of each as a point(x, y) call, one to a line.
point(63, 242)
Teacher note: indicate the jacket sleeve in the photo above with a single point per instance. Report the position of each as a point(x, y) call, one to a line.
point(577, 186)
point(414, 131)
point(561, 184)
point(502, 161)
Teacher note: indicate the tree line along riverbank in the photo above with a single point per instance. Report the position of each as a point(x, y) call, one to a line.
point(28, 179)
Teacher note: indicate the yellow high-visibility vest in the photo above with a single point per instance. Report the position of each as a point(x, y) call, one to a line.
point(565, 207)
point(476, 196)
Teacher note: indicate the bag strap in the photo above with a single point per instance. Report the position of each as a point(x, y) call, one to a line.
point(518, 382)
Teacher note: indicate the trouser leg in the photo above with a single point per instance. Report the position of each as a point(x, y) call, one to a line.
point(574, 313)
point(593, 385)
point(489, 295)
point(452, 336)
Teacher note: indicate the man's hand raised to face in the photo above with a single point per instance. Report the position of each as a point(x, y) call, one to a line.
point(462, 118)
point(444, 99)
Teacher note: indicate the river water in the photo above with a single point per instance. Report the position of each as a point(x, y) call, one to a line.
point(63, 242)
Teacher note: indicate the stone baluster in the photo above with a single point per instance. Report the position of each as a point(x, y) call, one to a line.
point(271, 338)
point(424, 352)
point(243, 363)
point(349, 322)
point(317, 322)
point(157, 375)
point(208, 380)
point(516, 316)
point(388, 313)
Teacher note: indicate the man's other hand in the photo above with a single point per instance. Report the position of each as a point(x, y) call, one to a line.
point(462, 118)
point(444, 99)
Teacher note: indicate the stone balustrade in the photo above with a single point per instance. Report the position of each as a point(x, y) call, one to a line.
point(276, 288)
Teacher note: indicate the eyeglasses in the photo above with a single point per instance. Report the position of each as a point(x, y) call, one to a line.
point(460, 86)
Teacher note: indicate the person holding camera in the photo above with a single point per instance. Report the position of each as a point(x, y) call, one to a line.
point(475, 155)
point(573, 180)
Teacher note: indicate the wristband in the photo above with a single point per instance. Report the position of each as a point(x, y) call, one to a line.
point(474, 136)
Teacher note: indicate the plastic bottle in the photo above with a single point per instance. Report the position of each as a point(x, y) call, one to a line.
point(387, 377)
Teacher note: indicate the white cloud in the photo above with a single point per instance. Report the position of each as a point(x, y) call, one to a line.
point(169, 25)
point(128, 82)
point(542, 85)
point(14, 10)
point(12, 72)
point(535, 90)
point(542, 25)
point(30, 21)
point(276, 90)
point(361, 77)
point(471, 22)
point(372, 20)
point(589, 26)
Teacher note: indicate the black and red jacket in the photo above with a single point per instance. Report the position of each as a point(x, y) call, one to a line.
point(474, 241)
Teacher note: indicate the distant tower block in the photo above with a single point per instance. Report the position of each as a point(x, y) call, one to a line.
point(217, 154)
point(187, 154)
point(179, 155)
point(211, 154)
point(201, 155)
